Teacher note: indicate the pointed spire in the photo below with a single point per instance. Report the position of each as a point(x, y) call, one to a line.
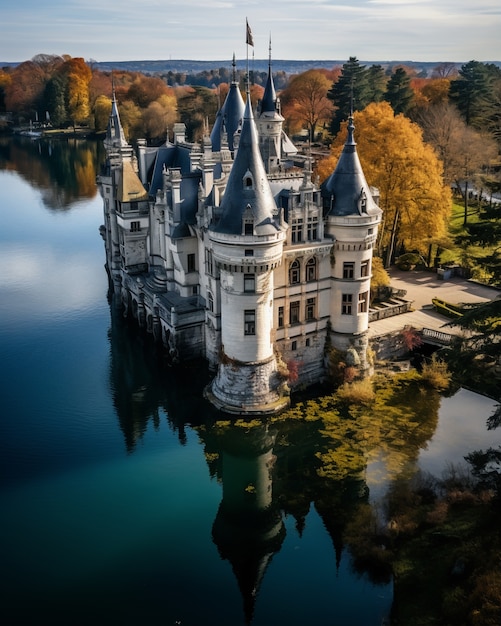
point(115, 137)
point(229, 116)
point(248, 188)
point(234, 72)
point(269, 101)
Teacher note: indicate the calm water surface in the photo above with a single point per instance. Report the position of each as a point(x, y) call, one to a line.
point(119, 505)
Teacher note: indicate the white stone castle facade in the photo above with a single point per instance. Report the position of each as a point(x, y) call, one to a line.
point(229, 251)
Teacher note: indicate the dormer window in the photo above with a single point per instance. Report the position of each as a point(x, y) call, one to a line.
point(363, 202)
point(248, 180)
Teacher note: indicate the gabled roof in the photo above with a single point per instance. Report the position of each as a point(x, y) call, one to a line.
point(248, 190)
point(346, 189)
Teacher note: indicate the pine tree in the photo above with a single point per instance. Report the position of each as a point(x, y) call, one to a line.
point(399, 92)
point(350, 90)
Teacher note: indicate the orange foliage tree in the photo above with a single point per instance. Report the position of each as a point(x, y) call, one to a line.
point(305, 102)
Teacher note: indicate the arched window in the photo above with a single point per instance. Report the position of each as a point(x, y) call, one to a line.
point(210, 302)
point(311, 270)
point(295, 272)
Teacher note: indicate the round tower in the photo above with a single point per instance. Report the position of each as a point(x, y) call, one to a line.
point(352, 221)
point(270, 123)
point(247, 246)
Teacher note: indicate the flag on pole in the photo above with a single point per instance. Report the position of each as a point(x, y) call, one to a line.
point(248, 37)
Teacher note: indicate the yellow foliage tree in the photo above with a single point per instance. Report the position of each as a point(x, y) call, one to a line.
point(79, 77)
point(415, 201)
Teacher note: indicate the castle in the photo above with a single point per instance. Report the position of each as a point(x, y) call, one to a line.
point(228, 250)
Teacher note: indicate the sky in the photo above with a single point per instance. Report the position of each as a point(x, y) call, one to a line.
point(371, 30)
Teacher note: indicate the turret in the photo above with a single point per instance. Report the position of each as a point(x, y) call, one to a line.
point(247, 244)
point(352, 219)
point(229, 117)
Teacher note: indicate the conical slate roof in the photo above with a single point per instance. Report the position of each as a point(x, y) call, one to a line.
point(248, 189)
point(346, 189)
point(268, 102)
point(115, 137)
point(229, 116)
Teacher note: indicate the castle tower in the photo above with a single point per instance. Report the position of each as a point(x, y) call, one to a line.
point(247, 245)
point(269, 124)
point(352, 221)
point(126, 209)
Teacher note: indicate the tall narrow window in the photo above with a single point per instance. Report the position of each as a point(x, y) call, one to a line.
point(295, 272)
point(365, 268)
point(363, 299)
point(294, 312)
point(249, 283)
point(311, 270)
point(280, 316)
point(310, 309)
point(209, 263)
point(248, 228)
point(249, 322)
point(348, 270)
point(312, 228)
point(210, 302)
point(297, 230)
point(347, 300)
point(191, 262)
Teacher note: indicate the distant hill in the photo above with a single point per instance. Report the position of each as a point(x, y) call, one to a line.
point(186, 66)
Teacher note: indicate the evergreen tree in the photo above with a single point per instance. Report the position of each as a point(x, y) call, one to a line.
point(399, 92)
point(350, 90)
point(376, 80)
point(472, 91)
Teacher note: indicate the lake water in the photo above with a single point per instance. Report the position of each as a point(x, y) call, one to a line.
point(120, 503)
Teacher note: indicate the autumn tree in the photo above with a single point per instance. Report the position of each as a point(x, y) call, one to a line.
point(196, 105)
point(77, 95)
point(351, 90)
point(102, 108)
point(25, 90)
point(5, 81)
point(305, 101)
point(159, 116)
point(415, 201)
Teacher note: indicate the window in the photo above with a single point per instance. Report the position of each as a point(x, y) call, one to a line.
point(135, 227)
point(365, 268)
point(249, 252)
point(295, 272)
point(280, 316)
point(249, 283)
point(310, 309)
point(250, 322)
point(297, 230)
point(209, 264)
point(307, 342)
point(348, 270)
point(294, 312)
point(210, 302)
point(134, 206)
point(312, 228)
point(191, 262)
point(311, 270)
point(363, 299)
point(294, 346)
point(248, 228)
point(346, 303)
